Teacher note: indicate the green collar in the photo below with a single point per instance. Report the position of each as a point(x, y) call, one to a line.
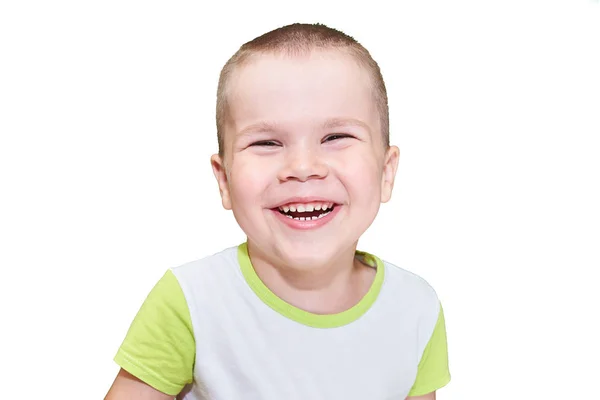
point(305, 317)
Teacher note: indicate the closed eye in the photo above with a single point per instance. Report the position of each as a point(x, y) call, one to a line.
point(336, 136)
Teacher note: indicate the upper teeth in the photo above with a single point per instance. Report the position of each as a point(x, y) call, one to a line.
point(306, 207)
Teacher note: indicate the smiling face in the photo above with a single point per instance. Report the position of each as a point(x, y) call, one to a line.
point(305, 167)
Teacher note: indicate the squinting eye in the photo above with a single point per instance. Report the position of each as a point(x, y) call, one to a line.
point(336, 137)
point(265, 143)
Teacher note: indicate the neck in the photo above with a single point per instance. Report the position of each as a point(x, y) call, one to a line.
point(330, 288)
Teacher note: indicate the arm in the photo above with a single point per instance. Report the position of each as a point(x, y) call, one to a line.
point(128, 387)
point(428, 396)
point(157, 354)
point(433, 372)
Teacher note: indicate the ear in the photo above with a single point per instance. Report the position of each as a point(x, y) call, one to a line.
point(218, 167)
point(390, 167)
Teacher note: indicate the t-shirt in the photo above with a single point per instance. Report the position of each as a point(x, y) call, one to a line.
point(211, 329)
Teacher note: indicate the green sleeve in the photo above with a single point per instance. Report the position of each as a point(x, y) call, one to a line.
point(433, 372)
point(159, 347)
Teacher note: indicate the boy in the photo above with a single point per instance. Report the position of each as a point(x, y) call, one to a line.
point(295, 312)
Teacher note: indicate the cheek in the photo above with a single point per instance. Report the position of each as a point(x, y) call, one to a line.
point(249, 180)
point(362, 176)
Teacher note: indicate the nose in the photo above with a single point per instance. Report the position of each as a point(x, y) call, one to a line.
point(302, 164)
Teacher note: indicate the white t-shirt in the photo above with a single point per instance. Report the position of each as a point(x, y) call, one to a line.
point(210, 329)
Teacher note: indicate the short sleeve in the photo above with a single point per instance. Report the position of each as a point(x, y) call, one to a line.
point(433, 372)
point(159, 347)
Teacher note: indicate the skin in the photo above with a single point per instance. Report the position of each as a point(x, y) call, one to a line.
point(305, 126)
point(302, 126)
point(128, 387)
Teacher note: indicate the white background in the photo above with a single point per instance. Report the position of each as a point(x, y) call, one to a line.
point(107, 126)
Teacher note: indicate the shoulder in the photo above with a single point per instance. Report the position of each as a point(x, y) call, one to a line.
point(411, 286)
point(409, 302)
point(207, 268)
point(410, 297)
point(207, 278)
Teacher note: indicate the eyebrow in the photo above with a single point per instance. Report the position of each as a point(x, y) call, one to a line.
point(340, 122)
point(331, 123)
point(259, 127)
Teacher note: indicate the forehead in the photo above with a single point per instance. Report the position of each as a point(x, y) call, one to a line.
point(301, 91)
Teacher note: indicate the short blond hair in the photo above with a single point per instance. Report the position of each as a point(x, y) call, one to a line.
point(298, 39)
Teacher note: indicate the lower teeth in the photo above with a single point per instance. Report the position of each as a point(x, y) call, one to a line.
point(307, 218)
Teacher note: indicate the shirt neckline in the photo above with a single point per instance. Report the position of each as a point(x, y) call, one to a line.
point(304, 317)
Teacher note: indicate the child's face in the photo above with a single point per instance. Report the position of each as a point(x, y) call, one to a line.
point(304, 131)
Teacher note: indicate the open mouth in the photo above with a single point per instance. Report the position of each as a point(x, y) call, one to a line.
point(306, 212)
